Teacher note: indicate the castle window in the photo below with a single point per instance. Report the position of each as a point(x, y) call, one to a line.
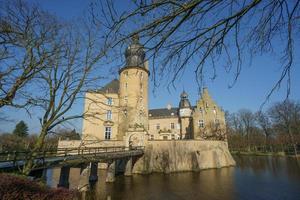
point(173, 137)
point(157, 126)
point(109, 101)
point(126, 86)
point(151, 137)
point(141, 75)
point(165, 137)
point(107, 132)
point(126, 99)
point(172, 126)
point(217, 122)
point(125, 112)
point(109, 115)
point(215, 111)
point(201, 123)
point(141, 87)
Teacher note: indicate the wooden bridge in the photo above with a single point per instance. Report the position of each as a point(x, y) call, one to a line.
point(70, 157)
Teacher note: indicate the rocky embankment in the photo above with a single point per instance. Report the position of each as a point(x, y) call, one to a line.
point(177, 156)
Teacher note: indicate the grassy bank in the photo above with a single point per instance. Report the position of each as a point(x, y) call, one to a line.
point(255, 153)
point(15, 187)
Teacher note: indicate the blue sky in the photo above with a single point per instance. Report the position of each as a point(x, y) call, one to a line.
point(249, 92)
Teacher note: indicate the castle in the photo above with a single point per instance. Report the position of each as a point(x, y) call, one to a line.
point(183, 138)
point(121, 106)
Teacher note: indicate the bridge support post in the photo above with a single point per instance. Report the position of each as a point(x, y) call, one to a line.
point(64, 177)
point(93, 172)
point(128, 168)
point(44, 175)
point(111, 169)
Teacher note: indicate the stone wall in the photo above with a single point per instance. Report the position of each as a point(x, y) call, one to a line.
point(183, 155)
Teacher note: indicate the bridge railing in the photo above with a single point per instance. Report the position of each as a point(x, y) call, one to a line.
point(14, 156)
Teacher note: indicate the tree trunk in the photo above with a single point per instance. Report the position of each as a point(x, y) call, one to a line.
point(292, 140)
point(29, 162)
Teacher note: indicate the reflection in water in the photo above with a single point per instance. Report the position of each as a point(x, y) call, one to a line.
point(252, 178)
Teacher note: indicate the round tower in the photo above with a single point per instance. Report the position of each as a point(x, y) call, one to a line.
point(133, 92)
point(185, 116)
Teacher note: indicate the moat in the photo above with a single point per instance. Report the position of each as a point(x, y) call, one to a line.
point(254, 177)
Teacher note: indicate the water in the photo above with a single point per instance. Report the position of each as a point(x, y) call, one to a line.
point(256, 178)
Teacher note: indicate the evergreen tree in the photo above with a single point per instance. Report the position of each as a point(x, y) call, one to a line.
point(21, 129)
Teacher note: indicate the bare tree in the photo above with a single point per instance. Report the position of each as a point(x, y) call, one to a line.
point(247, 122)
point(214, 131)
point(71, 72)
point(285, 116)
point(265, 124)
point(27, 40)
point(203, 35)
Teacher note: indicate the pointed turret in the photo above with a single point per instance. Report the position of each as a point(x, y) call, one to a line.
point(184, 101)
point(185, 113)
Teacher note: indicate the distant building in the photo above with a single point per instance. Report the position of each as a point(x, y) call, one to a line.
point(123, 104)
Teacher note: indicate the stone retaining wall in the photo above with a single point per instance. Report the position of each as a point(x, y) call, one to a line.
point(183, 155)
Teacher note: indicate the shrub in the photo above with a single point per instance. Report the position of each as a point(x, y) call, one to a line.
point(13, 187)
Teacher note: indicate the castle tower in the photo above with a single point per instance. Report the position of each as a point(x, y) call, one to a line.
point(185, 116)
point(133, 91)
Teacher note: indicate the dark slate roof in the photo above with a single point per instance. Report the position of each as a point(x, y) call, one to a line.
point(163, 112)
point(111, 87)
